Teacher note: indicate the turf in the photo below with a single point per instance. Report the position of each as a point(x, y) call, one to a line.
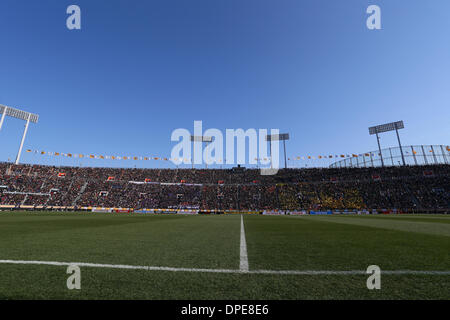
point(419, 242)
point(315, 243)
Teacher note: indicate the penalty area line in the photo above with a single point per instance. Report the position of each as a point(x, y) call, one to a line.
point(203, 270)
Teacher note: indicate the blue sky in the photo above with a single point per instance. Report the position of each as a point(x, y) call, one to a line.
point(137, 70)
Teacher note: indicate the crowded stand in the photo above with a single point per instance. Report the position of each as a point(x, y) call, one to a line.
point(401, 188)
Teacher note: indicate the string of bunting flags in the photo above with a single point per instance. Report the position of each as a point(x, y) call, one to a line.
point(144, 158)
point(92, 156)
point(148, 158)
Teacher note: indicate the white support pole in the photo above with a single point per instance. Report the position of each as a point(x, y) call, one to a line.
point(23, 139)
point(3, 117)
point(270, 151)
point(206, 160)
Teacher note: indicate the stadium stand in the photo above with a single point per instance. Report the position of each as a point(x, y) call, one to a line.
point(402, 188)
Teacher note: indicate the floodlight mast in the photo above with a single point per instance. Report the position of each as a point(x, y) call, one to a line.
point(280, 137)
point(399, 143)
point(22, 115)
point(23, 140)
point(379, 149)
point(201, 139)
point(5, 109)
point(385, 128)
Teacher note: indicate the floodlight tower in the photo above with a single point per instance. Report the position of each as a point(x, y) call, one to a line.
point(280, 137)
point(201, 139)
point(385, 128)
point(21, 115)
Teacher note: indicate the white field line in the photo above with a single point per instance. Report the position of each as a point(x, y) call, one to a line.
point(277, 272)
point(243, 261)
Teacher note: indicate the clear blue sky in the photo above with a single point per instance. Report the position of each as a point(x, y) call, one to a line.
point(139, 69)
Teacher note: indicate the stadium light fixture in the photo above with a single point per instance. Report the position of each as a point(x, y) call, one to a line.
point(201, 139)
point(385, 128)
point(278, 137)
point(21, 115)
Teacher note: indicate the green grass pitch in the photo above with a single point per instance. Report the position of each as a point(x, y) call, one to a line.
point(275, 243)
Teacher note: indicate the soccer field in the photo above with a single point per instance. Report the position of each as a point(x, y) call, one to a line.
point(136, 256)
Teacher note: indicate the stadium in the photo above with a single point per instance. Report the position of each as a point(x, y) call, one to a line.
point(227, 233)
point(113, 214)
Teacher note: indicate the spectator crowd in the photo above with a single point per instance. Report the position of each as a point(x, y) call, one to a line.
point(408, 187)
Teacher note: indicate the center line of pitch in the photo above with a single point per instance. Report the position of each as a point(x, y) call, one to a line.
point(243, 264)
